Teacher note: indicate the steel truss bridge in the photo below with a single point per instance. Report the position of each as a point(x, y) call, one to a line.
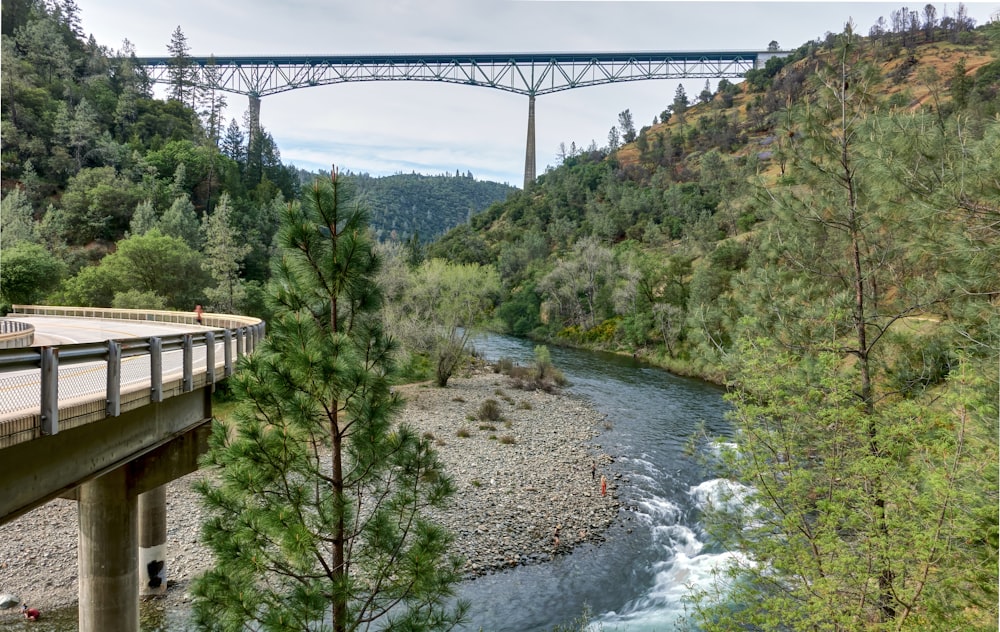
point(530, 74)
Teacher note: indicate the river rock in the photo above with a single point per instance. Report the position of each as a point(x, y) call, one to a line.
point(514, 484)
point(9, 601)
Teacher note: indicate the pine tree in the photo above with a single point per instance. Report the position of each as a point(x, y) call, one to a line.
point(233, 144)
point(627, 126)
point(181, 73)
point(858, 438)
point(224, 254)
point(211, 103)
point(317, 515)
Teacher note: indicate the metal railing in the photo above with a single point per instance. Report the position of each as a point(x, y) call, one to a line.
point(14, 333)
point(45, 389)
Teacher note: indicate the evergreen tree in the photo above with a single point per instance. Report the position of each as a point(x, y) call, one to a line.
point(857, 439)
point(627, 126)
point(317, 512)
point(16, 220)
point(144, 219)
point(233, 144)
point(614, 139)
point(211, 103)
point(181, 73)
point(681, 103)
point(706, 93)
point(181, 221)
point(225, 250)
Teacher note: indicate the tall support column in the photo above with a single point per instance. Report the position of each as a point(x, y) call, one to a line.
point(109, 586)
point(529, 153)
point(254, 113)
point(153, 542)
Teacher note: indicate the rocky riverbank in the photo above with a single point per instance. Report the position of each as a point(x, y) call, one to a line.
point(525, 492)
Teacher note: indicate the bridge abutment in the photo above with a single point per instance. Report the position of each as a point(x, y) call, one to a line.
point(108, 582)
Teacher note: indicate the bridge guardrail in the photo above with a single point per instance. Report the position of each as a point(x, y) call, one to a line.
point(129, 371)
point(14, 334)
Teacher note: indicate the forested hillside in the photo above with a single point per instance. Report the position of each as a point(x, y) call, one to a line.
point(824, 238)
point(100, 178)
point(114, 197)
point(403, 205)
point(636, 247)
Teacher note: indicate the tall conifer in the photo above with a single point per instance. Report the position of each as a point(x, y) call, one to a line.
point(317, 513)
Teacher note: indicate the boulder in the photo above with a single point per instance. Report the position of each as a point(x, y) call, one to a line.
point(9, 601)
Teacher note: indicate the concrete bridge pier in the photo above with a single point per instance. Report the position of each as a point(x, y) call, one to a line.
point(529, 153)
point(123, 530)
point(153, 542)
point(254, 116)
point(109, 586)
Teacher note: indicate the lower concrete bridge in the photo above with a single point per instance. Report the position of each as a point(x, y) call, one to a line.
point(106, 407)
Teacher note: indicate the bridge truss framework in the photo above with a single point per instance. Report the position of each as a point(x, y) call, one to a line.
point(530, 74)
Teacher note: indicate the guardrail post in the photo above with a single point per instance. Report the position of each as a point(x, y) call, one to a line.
point(50, 390)
point(240, 342)
point(188, 363)
point(114, 391)
point(210, 356)
point(227, 348)
point(156, 369)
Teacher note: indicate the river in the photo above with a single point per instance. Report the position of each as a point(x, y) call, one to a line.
point(636, 580)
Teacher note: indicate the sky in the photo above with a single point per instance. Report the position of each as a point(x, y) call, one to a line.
point(383, 128)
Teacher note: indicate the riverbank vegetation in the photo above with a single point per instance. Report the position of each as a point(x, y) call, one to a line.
point(824, 240)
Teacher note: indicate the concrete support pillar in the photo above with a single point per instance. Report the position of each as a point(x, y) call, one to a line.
point(153, 542)
point(109, 586)
point(254, 113)
point(529, 153)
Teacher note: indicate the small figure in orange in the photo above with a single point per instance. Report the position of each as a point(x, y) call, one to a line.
point(197, 314)
point(604, 486)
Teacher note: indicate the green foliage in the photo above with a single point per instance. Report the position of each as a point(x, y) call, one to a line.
point(520, 312)
point(150, 263)
point(225, 251)
point(435, 308)
point(137, 299)
point(16, 222)
point(27, 273)
point(407, 205)
point(813, 538)
point(317, 512)
point(93, 157)
point(855, 426)
point(98, 204)
point(545, 372)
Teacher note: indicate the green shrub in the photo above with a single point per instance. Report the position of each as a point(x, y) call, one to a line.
point(489, 410)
